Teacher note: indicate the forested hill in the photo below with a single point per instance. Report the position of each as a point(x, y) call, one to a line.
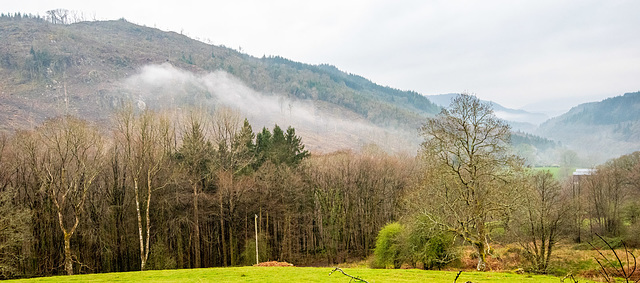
point(602, 129)
point(51, 69)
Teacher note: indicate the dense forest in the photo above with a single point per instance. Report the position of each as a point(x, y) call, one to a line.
point(157, 191)
point(150, 194)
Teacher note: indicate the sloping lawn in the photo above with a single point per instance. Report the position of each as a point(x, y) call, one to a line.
point(294, 274)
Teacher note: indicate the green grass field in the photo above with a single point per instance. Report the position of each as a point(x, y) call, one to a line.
point(558, 173)
point(294, 274)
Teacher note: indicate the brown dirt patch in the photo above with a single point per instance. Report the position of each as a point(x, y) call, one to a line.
point(274, 263)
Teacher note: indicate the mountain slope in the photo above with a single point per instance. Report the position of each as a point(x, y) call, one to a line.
point(601, 130)
point(98, 53)
point(85, 69)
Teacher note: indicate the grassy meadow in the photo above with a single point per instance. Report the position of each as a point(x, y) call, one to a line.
point(294, 274)
point(558, 172)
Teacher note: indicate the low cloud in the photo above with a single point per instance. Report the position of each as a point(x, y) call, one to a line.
point(323, 127)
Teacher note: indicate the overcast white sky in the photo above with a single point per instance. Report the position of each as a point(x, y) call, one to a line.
point(512, 52)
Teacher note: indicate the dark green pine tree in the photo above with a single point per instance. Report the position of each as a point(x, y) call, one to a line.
point(244, 150)
point(196, 152)
point(263, 144)
point(296, 151)
point(278, 153)
point(279, 147)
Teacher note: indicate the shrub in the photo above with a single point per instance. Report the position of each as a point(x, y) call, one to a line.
point(428, 245)
point(389, 246)
point(632, 236)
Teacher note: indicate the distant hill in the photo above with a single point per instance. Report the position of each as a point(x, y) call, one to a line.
point(89, 69)
point(518, 119)
point(601, 130)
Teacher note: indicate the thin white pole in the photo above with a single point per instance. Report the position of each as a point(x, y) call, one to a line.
point(256, 221)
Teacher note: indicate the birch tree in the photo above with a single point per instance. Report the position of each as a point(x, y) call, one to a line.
point(146, 141)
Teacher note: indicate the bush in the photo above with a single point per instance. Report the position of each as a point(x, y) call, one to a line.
point(632, 236)
point(420, 243)
point(428, 245)
point(389, 246)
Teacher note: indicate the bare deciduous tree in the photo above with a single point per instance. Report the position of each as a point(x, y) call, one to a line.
point(544, 212)
point(146, 141)
point(72, 160)
point(468, 170)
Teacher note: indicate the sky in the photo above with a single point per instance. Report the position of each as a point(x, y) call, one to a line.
point(521, 54)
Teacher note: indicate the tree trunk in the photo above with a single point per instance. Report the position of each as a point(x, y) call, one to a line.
point(232, 241)
point(482, 256)
point(232, 249)
point(224, 242)
point(196, 228)
point(143, 261)
point(146, 252)
point(68, 262)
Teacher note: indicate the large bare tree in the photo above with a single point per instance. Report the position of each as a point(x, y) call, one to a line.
point(73, 154)
point(467, 170)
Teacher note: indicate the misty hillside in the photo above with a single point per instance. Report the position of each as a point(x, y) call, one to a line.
point(518, 119)
point(599, 129)
point(89, 69)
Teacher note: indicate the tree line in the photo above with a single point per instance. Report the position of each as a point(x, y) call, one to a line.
point(156, 191)
point(55, 16)
point(161, 190)
point(473, 191)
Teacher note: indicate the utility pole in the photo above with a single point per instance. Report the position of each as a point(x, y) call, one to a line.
point(256, 226)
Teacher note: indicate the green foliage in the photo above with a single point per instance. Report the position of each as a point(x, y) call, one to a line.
point(244, 147)
point(187, 59)
point(43, 64)
point(279, 147)
point(389, 245)
point(429, 245)
point(631, 236)
point(609, 111)
point(196, 152)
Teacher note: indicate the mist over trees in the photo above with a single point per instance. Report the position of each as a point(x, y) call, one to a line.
point(181, 189)
point(160, 189)
point(150, 194)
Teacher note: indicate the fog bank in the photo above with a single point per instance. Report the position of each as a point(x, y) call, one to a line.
point(323, 127)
